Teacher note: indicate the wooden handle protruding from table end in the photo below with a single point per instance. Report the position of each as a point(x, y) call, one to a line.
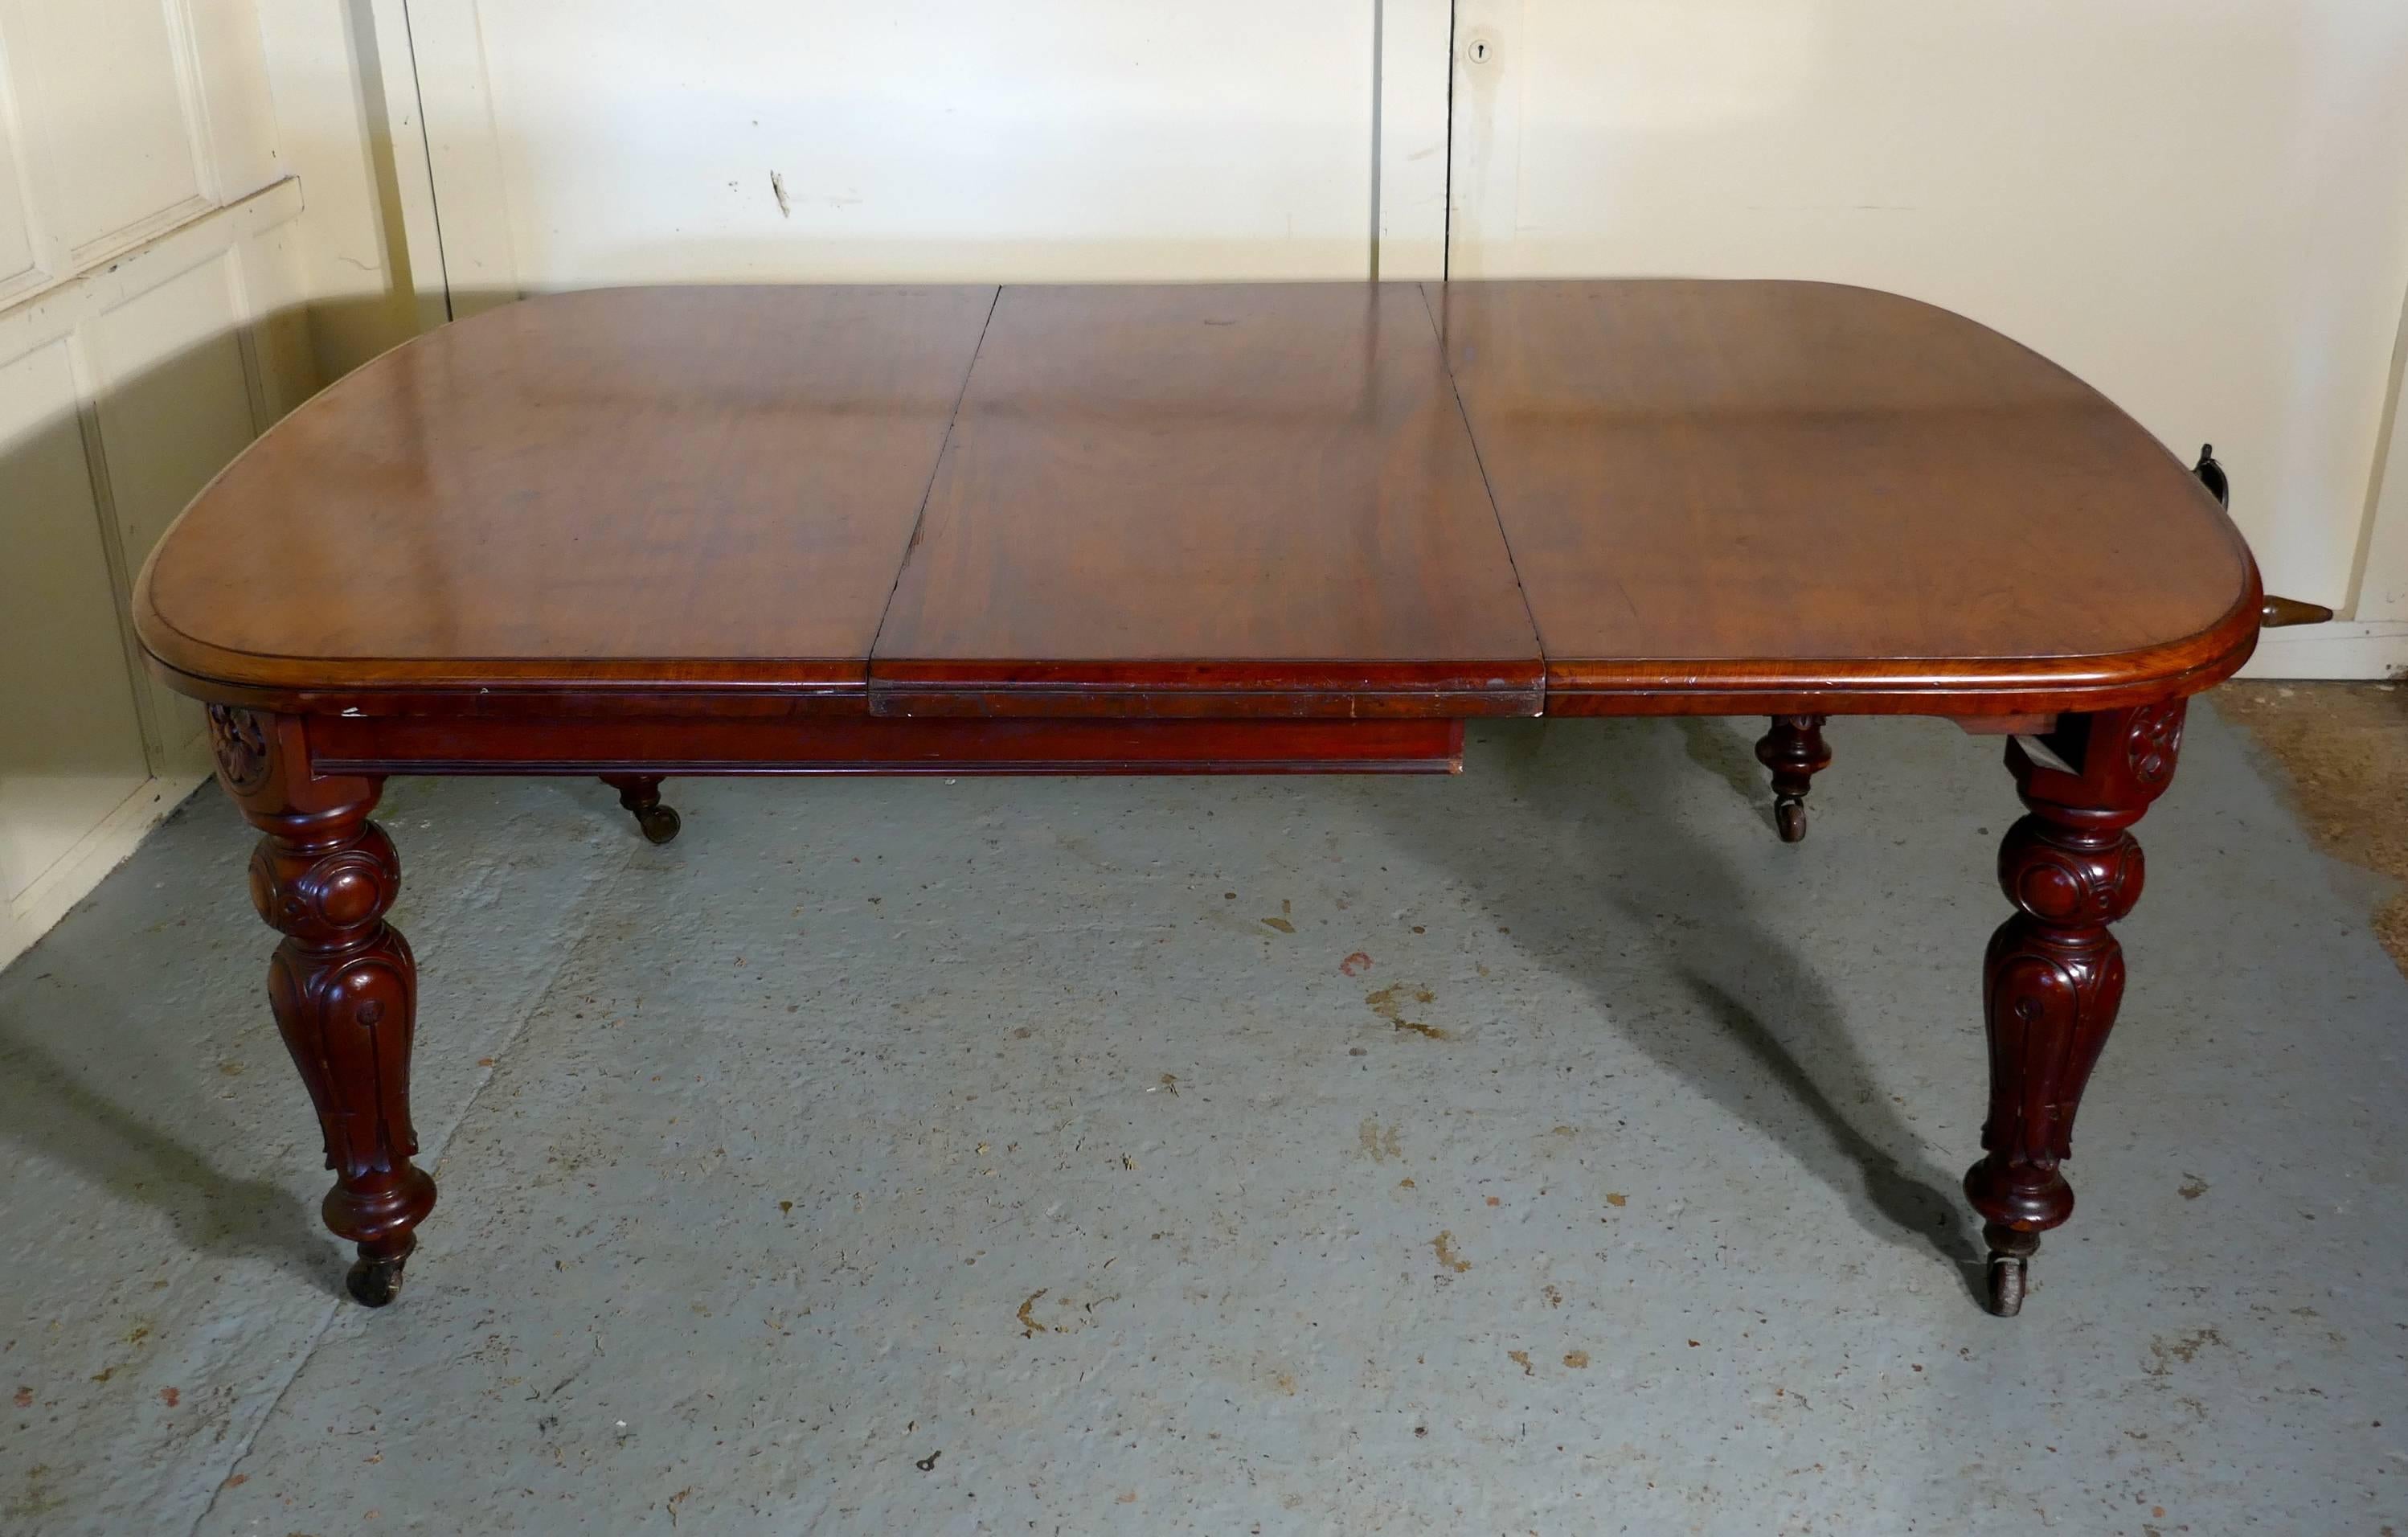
point(2279, 612)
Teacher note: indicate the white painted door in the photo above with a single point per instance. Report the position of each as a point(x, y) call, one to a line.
point(2383, 585)
point(147, 330)
point(2372, 639)
point(2196, 206)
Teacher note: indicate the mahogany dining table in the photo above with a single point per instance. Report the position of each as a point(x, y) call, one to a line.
point(1271, 528)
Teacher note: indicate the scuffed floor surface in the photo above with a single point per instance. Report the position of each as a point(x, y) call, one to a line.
point(1548, 1149)
point(2343, 750)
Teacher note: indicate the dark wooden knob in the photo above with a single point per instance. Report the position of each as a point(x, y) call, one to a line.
point(2211, 474)
point(2280, 611)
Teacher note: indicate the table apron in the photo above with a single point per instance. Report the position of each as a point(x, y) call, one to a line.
point(861, 744)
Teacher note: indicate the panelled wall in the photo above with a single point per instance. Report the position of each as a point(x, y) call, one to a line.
point(150, 327)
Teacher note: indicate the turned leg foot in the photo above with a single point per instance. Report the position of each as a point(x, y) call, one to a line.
point(1795, 751)
point(343, 983)
point(374, 1281)
point(387, 1212)
point(641, 795)
point(2054, 972)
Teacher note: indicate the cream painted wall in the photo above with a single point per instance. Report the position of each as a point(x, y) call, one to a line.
point(327, 65)
point(610, 141)
point(2200, 206)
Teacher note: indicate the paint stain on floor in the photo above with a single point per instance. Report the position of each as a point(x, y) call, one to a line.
point(1443, 1244)
point(1028, 1321)
point(1379, 1142)
point(1390, 1003)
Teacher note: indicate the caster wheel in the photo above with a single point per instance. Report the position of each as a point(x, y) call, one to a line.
point(660, 823)
point(1789, 814)
point(374, 1283)
point(2006, 1285)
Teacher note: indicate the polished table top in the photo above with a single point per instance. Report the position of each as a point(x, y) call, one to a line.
point(1300, 499)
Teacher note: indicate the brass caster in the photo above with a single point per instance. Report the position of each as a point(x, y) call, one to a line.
point(1789, 815)
point(640, 793)
point(2006, 1285)
point(660, 823)
point(2010, 1251)
point(1796, 751)
point(374, 1283)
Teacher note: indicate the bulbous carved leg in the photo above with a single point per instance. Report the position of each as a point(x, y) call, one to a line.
point(1795, 751)
point(2054, 974)
point(641, 795)
point(343, 983)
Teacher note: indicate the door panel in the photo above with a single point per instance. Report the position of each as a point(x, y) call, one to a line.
point(19, 255)
point(72, 749)
point(150, 321)
point(116, 114)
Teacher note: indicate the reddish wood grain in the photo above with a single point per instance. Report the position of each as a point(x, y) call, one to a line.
point(678, 486)
point(1263, 494)
point(1776, 490)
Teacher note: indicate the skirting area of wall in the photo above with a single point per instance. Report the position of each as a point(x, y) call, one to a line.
point(102, 849)
point(2348, 649)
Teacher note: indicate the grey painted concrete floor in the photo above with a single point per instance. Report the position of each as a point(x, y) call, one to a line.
point(1547, 1149)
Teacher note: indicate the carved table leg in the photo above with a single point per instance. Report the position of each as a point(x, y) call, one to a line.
point(641, 795)
point(2055, 974)
point(343, 985)
point(1795, 751)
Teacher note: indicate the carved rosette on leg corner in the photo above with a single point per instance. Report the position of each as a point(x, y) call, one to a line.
point(343, 983)
point(2055, 974)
